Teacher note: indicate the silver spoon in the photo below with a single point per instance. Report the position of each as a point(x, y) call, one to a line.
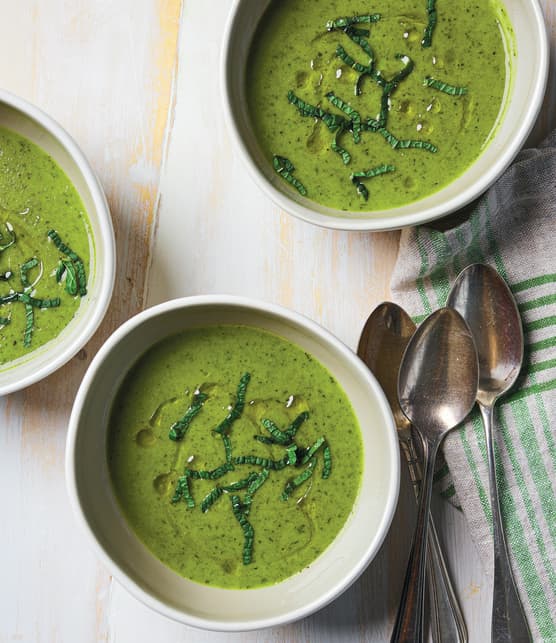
point(487, 304)
point(381, 346)
point(437, 387)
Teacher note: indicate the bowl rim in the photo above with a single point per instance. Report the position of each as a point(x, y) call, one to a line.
point(285, 315)
point(385, 222)
point(107, 267)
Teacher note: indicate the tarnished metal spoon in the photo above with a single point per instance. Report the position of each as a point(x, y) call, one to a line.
point(383, 340)
point(488, 306)
point(437, 387)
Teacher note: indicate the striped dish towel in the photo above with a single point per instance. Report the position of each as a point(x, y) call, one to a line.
point(512, 228)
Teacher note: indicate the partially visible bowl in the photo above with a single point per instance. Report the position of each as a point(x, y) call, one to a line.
point(29, 121)
point(530, 58)
point(131, 563)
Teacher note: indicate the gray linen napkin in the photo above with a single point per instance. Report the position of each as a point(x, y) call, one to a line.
point(512, 228)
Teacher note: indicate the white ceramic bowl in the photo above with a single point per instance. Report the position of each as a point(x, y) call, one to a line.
point(530, 56)
point(29, 121)
point(130, 561)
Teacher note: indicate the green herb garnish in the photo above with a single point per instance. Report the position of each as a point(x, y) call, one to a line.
point(348, 110)
point(211, 498)
point(38, 303)
point(377, 171)
point(452, 90)
point(408, 67)
point(327, 457)
point(362, 42)
point(369, 174)
point(332, 121)
point(343, 23)
point(227, 448)
point(384, 107)
point(24, 270)
point(70, 264)
point(30, 303)
point(29, 325)
point(294, 427)
point(292, 484)
point(239, 512)
point(179, 428)
point(255, 484)
point(237, 409)
point(432, 19)
point(78, 269)
point(284, 437)
point(373, 125)
point(220, 471)
point(266, 463)
point(278, 437)
point(284, 167)
point(336, 147)
point(183, 492)
point(361, 188)
point(364, 70)
point(312, 450)
point(7, 299)
point(242, 484)
point(71, 277)
point(418, 145)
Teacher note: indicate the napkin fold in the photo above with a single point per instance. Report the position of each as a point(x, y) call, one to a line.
point(512, 228)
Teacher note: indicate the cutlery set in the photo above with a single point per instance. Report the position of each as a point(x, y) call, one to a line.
point(470, 351)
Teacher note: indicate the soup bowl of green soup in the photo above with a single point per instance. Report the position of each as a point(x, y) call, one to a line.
point(56, 246)
point(234, 465)
point(377, 117)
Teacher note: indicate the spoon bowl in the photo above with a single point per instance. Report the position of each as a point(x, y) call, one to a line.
point(437, 384)
point(382, 344)
point(484, 300)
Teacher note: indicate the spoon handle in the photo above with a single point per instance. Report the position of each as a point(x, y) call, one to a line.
point(409, 621)
point(508, 617)
point(450, 625)
point(447, 622)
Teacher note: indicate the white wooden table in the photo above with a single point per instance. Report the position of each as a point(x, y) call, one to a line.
point(136, 83)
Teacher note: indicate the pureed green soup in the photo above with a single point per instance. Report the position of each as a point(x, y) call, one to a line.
point(45, 248)
point(368, 106)
point(235, 456)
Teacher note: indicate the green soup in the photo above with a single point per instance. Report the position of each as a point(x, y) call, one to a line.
point(265, 461)
point(369, 118)
point(45, 247)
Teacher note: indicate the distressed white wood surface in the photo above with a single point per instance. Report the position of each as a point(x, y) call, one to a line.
point(105, 70)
